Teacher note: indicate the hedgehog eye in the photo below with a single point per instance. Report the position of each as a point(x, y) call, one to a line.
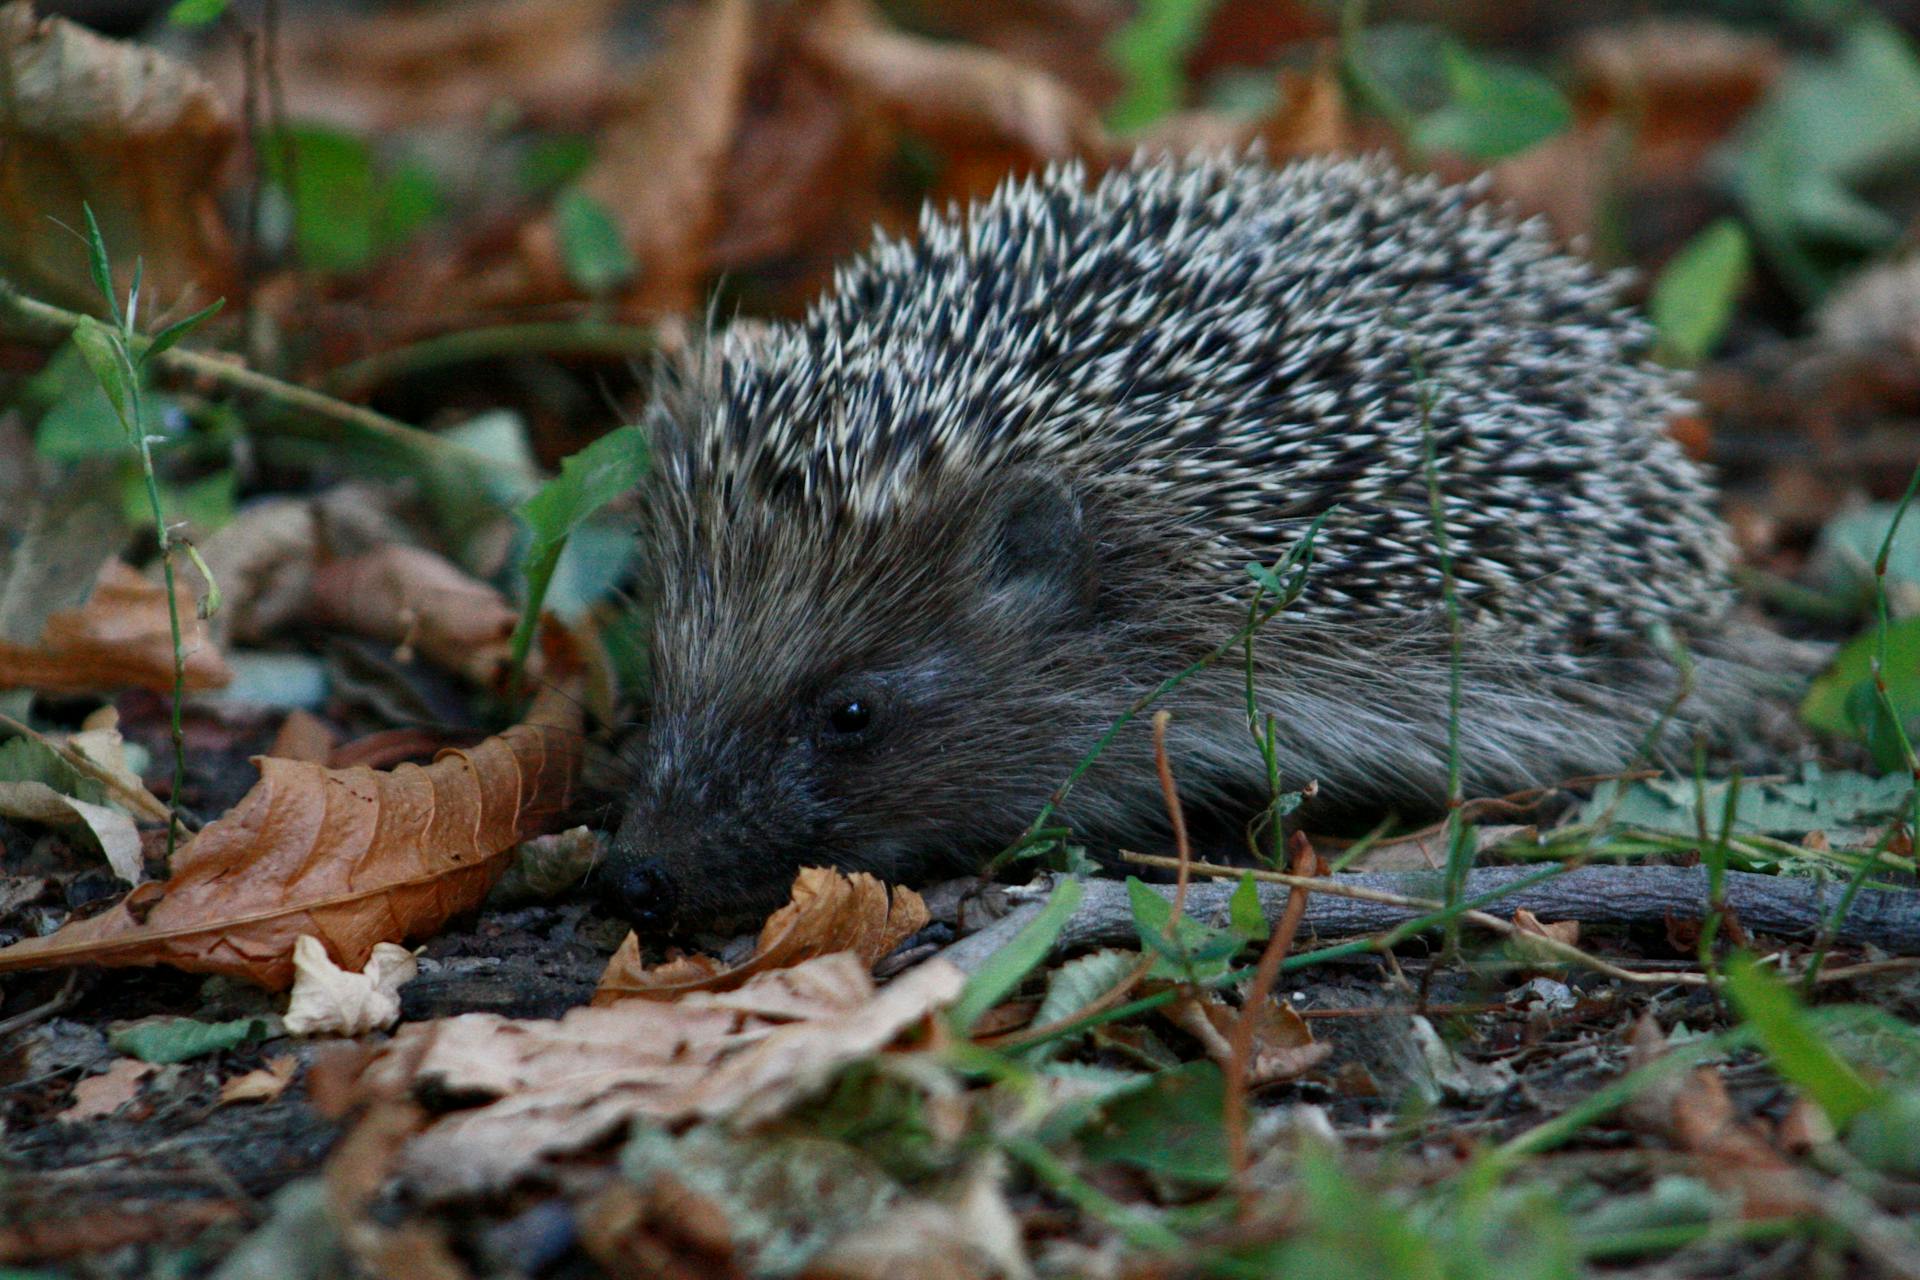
point(849, 715)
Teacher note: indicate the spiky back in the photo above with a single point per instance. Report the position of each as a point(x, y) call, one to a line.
point(1242, 349)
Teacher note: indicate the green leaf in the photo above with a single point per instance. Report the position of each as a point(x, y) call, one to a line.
point(1171, 1127)
point(1150, 52)
point(591, 246)
point(99, 346)
point(588, 481)
point(1496, 110)
point(1243, 909)
point(551, 163)
point(97, 262)
point(1693, 298)
point(1842, 700)
point(346, 210)
point(1829, 127)
point(1851, 808)
point(168, 337)
point(79, 426)
point(1795, 1045)
point(1005, 969)
point(1849, 544)
point(197, 13)
point(166, 1039)
point(1078, 983)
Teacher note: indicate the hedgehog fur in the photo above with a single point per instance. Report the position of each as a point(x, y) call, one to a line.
point(909, 558)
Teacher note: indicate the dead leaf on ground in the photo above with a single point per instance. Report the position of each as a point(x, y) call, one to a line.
point(829, 911)
point(969, 1234)
point(140, 138)
point(656, 171)
point(106, 1093)
point(1283, 1047)
point(355, 857)
point(118, 838)
point(410, 597)
point(119, 638)
point(561, 1085)
point(440, 65)
point(303, 736)
point(263, 1084)
point(328, 1000)
point(958, 94)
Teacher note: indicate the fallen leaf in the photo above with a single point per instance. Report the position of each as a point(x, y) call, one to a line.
point(139, 137)
point(1282, 1049)
point(119, 637)
point(100, 751)
point(657, 170)
point(969, 1235)
point(957, 93)
point(829, 911)
point(1528, 926)
point(330, 1001)
point(106, 1093)
point(263, 1084)
point(303, 736)
point(353, 856)
point(410, 597)
point(560, 1085)
point(119, 839)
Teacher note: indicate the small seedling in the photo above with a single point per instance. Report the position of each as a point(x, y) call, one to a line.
point(118, 355)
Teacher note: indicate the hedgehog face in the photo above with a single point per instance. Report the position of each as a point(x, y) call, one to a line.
point(884, 695)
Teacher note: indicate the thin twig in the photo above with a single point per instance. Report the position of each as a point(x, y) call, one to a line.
point(1279, 943)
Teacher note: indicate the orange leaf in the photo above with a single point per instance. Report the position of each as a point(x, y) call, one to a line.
point(118, 637)
point(410, 596)
point(353, 856)
point(138, 136)
point(829, 912)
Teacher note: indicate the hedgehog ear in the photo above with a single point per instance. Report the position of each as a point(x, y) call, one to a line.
point(1041, 553)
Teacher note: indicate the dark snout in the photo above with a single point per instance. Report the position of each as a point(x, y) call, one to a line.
point(640, 891)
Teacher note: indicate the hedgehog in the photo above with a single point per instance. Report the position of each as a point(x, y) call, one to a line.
point(909, 558)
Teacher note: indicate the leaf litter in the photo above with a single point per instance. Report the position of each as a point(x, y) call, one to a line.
point(775, 1109)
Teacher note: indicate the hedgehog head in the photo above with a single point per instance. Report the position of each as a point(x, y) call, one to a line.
point(848, 685)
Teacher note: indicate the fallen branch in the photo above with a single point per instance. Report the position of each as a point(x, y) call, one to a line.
point(1779, 906)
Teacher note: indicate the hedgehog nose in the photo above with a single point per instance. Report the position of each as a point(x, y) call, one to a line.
point(641, 892)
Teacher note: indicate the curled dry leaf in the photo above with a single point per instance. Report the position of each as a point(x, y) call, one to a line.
point(139, 137)
point(330, 1001)
point(1283, 1047)
point(119, 637)
point(119, 839)
point(410, 597)
point(106, 1093)
point(561, 1085)
point(1529, 926)
point(263, 1084)
point(355, 857)
point(829, 911)
point(959, 93)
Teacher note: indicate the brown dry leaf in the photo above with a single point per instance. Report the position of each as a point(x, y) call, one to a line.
point(829, 911)
point(1685, 84)
point(956, 93)
point(355, 857)
point(1283, 1047)
point(657, 171)
point(410, 597)
point(303, 736)
point(1567, 931)
point(1309, 117)
point(666, 1232)
point(1694, 1113)
point(106, 1093)
point(263, 1084)
point(140, 138)
point(561, 1085)
point(119, 839)
point(451, 64)
point(119, 637)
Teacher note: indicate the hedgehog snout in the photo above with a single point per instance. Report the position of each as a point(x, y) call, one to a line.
point(641, 891)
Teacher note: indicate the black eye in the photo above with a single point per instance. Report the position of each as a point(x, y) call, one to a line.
point(851, 716)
